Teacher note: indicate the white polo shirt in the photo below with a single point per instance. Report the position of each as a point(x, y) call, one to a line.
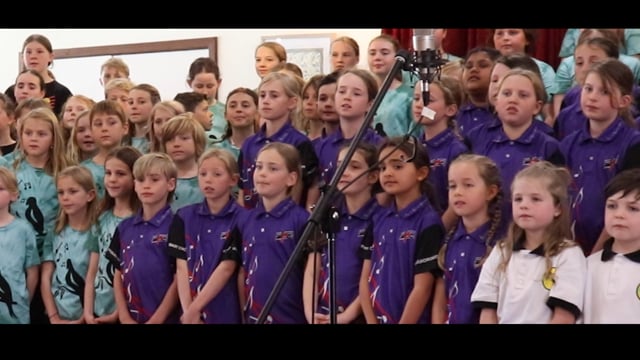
point(519, 293)
point(612, 294)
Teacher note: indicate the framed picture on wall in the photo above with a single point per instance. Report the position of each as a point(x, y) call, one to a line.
point(309, 51)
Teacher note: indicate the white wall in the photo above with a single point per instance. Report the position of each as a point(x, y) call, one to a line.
point(235, 49)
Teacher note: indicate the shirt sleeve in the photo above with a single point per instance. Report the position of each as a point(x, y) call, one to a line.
point(113, 252)
point(31, 248)
point(569, 282)
point(47, 246)
point(232, 246)
point(487, 290)
point(176, 241)
point(428, 245)
point(93, 241)
point(367, 243)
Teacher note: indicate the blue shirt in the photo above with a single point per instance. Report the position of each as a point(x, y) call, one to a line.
point(268, 241)
point(395, 112)
point(187, 192)
point(99, 241)
point(592, 163)
point(401, 244)
point(204, 240)
point(511, 156)
point(98, 175)
point(329, 147)
point(470, 116)
point(249, 153)
point(18, 252)
point(69, 252)
point(462, 264)
point(139, 250)
point(566, 73)
point(443, 149)
point(348, 263)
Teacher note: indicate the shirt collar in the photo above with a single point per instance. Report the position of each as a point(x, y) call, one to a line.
point(608, 253)
point(157, 219)
point(279, 136)
point(609, 134)
point(279, 211)
point(525, 138)
point(364, 213)
point(443, 138)
point(420, 204)
point(480, 233)
point(203, 209)
point(519, 245)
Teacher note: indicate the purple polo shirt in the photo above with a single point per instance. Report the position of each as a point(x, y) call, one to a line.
point(470, 116)
point(512, 156)
point(348, 262)
point(268, 240)
point(593, 162)
point(461, 270)
point(204, 240)
point(329, 148)
point(249, 153)
point(139, 249)
point(442, 149)
point(402, 244)
point(572, 96)
point(570, 119)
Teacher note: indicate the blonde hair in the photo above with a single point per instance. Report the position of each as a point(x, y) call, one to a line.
point(73, 148)
point(119, 83)
point(229, 160)
point(116, 63)
point(171, 106)
point(83, 177)
point(185, 124)
point(292, 89)
point(9, 180)
point(558, 234)
point(160, 161)
point(57, 157)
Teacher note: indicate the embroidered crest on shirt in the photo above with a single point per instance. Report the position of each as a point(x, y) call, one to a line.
point(530, 160)
point(438, 162)
point(159, 238)
point(284, 235)
point(407, 235)
point(638, 291)
point(610, 163)
point(549, 279)
point(361, 232)
point(224, 235)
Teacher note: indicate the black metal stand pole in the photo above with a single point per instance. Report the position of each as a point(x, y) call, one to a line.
point(321, 211)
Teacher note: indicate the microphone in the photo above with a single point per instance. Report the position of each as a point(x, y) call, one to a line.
point(426, 59)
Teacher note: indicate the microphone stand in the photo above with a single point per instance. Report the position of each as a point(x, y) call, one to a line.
point(322, 212)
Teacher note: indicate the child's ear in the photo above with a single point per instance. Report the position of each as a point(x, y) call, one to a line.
point(452, 110)
point(625, 101)
point(171, 184)
point(423, 173)
point(492, 191)
point(292, 179)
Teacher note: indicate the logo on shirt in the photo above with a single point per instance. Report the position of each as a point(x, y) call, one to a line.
point(224, 235)
point(284, 235)
point(610, 163)
point(549, 279)
point(438, 163)
point(407, 235)
point(159, 238)
point(361, 232)
point(638, 292)
point(530, 160)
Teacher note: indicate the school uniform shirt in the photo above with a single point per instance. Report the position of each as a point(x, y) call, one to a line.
point(462, 263)
point(470, 116)
point(218, 123)
point(141, 143)
point(443, 149)
point(522, 294)
point(139, 250)
point(249, 153)
point(348, 263)
point(37, 200)
point(548, 76)
point(612, 294)
point(99, 241)
point(18, 252)
point(204, 240)
point(4, 162)
point(98, 175)
point(592, 163)
point(569, 119)
point(268, 241)
point(70, 255)
point(329, 148)
point(395, 112)
point(227, 145)
point(187, 192)
point(401, 244)
point(511, 156)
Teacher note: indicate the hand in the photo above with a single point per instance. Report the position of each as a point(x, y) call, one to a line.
point(191, 316)
point(321, 318)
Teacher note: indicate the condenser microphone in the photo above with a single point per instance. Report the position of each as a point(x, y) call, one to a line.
point(426, 59)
